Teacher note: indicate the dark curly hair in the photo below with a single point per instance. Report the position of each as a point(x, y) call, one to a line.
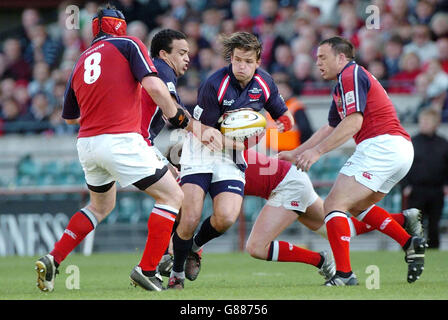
point(163, 40)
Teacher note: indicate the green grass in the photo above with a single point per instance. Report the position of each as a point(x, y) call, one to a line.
point(232, 276)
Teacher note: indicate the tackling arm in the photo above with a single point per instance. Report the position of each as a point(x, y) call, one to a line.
point(158, 91)
point(342, 133)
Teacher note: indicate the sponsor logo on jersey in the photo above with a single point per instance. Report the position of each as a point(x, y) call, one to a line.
point(255, 94)
point(255, 90)
point(345, 238)
point(228, 102)
point(171, 87)
point(197, 112)
point(254, 97)
point(349, 98)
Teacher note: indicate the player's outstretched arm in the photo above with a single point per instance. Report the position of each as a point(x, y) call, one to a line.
point(341, 134)
point(345, 130)
point(314, 140)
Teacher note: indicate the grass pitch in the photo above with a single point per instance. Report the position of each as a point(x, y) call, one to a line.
point(230, 276)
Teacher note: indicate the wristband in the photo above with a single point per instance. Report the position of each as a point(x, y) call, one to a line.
point(286, 122)
point(180, 120)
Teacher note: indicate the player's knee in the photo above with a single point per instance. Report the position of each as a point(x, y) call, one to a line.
point(331, 204)
point(250, 248)
point(173, 198)
point(222, 222)
point(178, 197)
point(101, 211)
point(258, 249)
point(190, 219)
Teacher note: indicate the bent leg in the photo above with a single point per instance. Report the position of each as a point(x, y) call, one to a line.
point(168, 197)
point(269, 224)
point(83, 222)
point(262, 244)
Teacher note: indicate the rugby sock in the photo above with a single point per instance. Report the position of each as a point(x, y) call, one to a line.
point(79, 226)
point(381, 220)
point(181, 250)
point(205, 234)
point(338, 231)
point(283, 251)
point(160, 224)
point(399, 217)
point(360, 227)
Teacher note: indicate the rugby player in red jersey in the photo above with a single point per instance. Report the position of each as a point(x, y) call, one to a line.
point(290, 196)
point(103, 95)
point(384, 153)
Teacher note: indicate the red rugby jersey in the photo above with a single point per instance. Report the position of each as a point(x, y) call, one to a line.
point(104, 88)
point(263, 173)
point(358, 91)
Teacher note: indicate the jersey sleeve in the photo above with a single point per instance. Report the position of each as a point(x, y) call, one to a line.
point(354, 85)
point(333, 115)
point(208, 109)
point(137, 54)
point(70, 108)
point(275, 104)
point(170, 80)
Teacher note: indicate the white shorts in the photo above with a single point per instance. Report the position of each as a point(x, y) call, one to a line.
point(294, 192)
point(160, 156)
point(379, 163)
point(196, 158)
point(125, 158)
point(220, 171)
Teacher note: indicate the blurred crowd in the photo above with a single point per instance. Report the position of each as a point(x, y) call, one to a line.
point(408, 53)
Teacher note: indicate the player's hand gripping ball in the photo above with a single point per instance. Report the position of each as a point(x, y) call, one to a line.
point(245, 125)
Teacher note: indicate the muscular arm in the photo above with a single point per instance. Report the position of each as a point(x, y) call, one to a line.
point(314, 140)
point(158, 91)
point(342, 133)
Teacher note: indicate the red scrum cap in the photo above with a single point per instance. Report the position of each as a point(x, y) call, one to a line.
point(110, 21)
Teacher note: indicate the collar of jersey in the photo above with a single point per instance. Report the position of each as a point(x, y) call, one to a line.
point(164, 62)
point(346, 66)
point(101, 37)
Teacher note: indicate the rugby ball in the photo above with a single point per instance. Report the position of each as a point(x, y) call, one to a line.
point(242, 124)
